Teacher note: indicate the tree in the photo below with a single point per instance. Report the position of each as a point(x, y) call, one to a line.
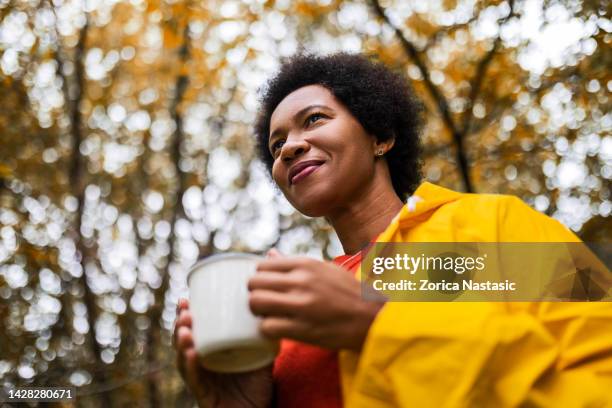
point(126, 152)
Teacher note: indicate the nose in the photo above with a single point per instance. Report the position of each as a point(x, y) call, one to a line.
point(293, 148)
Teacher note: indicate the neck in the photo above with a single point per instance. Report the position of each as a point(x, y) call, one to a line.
point(361, 220)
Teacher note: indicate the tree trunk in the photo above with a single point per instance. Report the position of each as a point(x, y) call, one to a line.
point(155, 331)
point(77, 181)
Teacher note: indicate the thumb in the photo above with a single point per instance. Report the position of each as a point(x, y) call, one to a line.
point(274, 253)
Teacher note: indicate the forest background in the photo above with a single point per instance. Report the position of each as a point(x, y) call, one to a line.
point(126, 152)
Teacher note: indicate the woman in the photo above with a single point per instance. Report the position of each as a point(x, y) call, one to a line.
point(339, 134)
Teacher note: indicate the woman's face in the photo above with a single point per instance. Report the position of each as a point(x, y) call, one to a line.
point(323, 157)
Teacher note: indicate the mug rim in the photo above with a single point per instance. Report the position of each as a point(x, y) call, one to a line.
point(219, 257)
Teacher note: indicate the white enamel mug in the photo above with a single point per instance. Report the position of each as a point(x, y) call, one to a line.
point(225, 332)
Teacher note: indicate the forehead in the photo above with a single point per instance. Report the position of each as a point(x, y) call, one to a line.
point(299, 99)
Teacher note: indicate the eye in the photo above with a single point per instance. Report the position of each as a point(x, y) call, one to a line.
point(316, 115)
point(276, 146)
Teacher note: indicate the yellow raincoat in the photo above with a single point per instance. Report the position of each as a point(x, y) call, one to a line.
point(484, 354)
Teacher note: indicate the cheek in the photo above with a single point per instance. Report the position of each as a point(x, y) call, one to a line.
point(277, 174)
point(350, 143)
point(353, 161)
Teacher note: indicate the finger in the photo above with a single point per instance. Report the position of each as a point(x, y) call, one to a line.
point(184, 319)
point(184, 339)
point(180, 359)
point(283, 263)
point(270, 303)
point(279, 327)
point(180, 363)
point(191, 366)
point(182, 304)
point(271, 281)
point(195, 376)
point(274, 253)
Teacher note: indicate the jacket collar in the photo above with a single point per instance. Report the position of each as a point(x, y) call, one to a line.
point(425, 200)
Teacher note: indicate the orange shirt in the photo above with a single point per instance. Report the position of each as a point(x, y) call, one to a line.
point(307, 376)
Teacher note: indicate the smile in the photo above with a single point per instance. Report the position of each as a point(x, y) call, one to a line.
point(304, 172)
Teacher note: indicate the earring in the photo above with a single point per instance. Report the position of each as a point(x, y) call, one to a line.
point(380, 152)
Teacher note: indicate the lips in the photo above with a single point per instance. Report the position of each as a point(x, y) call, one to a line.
point(302, 169)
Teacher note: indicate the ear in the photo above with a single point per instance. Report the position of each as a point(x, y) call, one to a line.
point(381, 148)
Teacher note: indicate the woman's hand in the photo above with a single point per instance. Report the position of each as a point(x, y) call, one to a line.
point(310, 301)
point(251, 389)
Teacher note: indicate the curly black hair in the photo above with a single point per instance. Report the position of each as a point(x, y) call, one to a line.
point(380, 99)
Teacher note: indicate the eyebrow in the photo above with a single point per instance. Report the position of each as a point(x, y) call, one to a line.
point(297, 115)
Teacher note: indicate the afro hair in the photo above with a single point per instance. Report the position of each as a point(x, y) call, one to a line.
point(379, 98)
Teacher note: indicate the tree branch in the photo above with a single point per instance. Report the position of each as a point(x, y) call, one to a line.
point(478, 78)
point(438, 97)
point(413, 54)
point(433, 40)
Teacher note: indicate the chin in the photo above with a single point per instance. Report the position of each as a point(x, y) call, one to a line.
point(315, 202)
point(312, 212)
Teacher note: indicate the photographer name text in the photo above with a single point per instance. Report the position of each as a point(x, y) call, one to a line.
point(427, 285)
